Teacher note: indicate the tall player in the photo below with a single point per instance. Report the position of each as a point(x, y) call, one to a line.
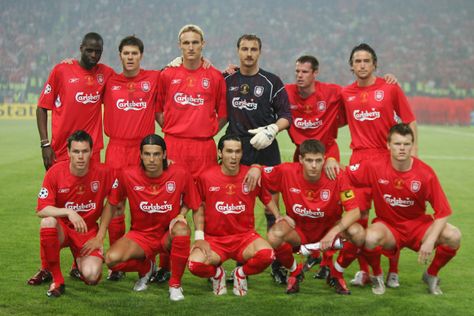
point(314, 203)
point(129, 116)
point(73, 94)
point(401, 186)
point(191, 105)
point(372, 107)
point(156, 193)
point(225, 222)
point(258, 108)
point(70, 203)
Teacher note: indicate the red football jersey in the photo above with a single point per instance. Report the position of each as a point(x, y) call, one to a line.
point(74, 95)
point(229, 205)
point(371, 112)
point(85, 195)
point(191, 101)
point(400, 196)
point(317, 116)
point(314, 206)
point(130, 105)
point(154, 202)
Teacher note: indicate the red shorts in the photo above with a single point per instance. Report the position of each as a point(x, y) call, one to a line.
point(197, 155)
point(231, 246)
point(151, 242)
point(75, 241)
point(315, 235)
point(410, 233)
point(122, 153)
point(332, 150)
point(364, 195)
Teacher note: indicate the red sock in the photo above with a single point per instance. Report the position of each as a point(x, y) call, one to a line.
point(363, 264)
point(315, 254)
point(202, 270)
point(347, 254)
point(49, 242)
point(284, 254)
point(393, 262)
point(44, 263)
point(373, 258)
point(165, 261)
point(179, 256)
point(327, 257)
point(116, 229)
point(442, 256)
point(259, 262)
point(133, 265)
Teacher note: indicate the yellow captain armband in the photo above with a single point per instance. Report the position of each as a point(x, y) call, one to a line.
point(331, 158)
point(347, 195)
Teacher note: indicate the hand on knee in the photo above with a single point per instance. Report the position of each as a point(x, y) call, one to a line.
point(180, 229)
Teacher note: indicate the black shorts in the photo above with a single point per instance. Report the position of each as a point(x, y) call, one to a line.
point(269, 156)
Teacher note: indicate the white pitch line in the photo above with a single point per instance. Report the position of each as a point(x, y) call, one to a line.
point(447, 131)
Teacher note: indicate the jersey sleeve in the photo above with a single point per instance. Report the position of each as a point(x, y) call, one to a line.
point(221, 102)
point(192, 197)
point(346, 192)
point(358, 174)
point(281, 104)
point(50, 91)
point(161, 94)
point(264, 195)
point(117, 192)
point(403, 108)
point(437, 198)
point(47, 194)
point(271, 178)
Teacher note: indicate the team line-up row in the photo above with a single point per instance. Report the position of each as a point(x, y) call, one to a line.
point(192, 101)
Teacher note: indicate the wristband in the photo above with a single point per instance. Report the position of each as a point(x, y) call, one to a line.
point(48, 144)
point(44, 141)
point(331, 158)
point(199, 235)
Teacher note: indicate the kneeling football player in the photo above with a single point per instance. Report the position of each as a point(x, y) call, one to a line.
point(159, 195)
point(225, 222)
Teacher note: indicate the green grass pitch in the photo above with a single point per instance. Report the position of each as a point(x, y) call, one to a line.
point(449, 150)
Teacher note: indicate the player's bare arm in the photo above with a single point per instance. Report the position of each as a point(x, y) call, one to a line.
point(347, 220)
point(253, 177)
point(332, 168)
point(98, 241)
point(221, 122)
point(199, 242)
point(430, 239)
point(52, 211)
point(159, 118)
point(46, 150)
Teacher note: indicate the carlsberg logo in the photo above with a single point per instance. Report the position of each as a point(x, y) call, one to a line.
point(230, 208)
point(148, 207)
point(83, 207)
point(87, 98)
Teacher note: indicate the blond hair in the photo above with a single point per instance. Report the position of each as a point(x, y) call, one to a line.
point(191, 28)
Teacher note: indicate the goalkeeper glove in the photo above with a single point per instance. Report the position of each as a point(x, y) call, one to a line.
point(264, 136)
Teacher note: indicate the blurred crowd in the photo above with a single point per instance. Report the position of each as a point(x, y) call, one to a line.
point(428, 45)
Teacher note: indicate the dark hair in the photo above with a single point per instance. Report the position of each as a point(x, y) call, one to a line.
point(131, 40)
point(92, 36)
point(154, 139)
point(312, 146)
point(364, 47)
point(401, 129)
point(79, 136)
point(220, 143)
point(309, 59)
point(250, 37)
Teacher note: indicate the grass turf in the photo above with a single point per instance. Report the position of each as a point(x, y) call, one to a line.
point(449, 150)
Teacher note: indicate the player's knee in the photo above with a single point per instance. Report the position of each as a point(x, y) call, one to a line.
point(197, 255)
point(48, 222)
point(112, 258)
point(180, 229)
point(452, 235)
point(356, 234)
point(372, 239)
